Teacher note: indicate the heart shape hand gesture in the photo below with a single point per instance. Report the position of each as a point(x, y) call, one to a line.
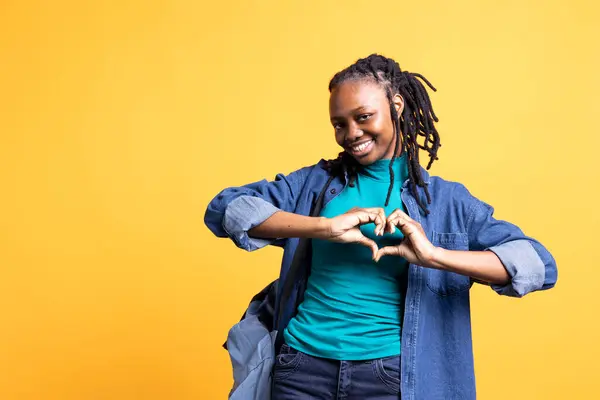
point(415, 247)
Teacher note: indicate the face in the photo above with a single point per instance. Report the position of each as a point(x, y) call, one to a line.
point(360, 115)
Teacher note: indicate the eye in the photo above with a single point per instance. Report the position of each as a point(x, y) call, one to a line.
point(337, 126)
point(364, 117)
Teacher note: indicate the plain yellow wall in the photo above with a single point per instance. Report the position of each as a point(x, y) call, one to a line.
point(119, 120)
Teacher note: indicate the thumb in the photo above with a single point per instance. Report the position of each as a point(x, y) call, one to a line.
point(388, 251)
point(365, 241)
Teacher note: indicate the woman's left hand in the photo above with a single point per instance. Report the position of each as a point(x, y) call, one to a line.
point(415, 247)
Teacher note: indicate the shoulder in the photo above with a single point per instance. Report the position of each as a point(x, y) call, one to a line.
point(302, 173)
point(453, 199)
point(455, 190)
point(319, 168)
point(305, 177)
point(323, 167)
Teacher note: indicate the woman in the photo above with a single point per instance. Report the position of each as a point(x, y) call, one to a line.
point(379, 256)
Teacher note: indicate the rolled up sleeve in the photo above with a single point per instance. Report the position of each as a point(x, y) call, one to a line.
point(236, 210)
point(523, 264)
point(243, 214)
point(529, 264)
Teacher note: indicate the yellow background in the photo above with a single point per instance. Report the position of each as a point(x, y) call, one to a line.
point(119, 121)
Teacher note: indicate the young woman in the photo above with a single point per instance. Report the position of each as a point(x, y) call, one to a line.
point(373, 299)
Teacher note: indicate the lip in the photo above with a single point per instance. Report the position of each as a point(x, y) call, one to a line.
point(362, 152)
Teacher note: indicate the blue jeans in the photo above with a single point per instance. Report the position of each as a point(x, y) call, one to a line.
point(298, 376)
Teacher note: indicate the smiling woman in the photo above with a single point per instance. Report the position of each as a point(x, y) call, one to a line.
point(362, 121)
point(381, 274)
point(372, 118)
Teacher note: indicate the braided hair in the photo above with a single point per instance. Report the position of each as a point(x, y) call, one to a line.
point(417, 118)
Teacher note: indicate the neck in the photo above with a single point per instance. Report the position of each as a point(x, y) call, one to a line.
point(380, 169)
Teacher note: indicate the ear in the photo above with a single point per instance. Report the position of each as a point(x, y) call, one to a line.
point(398, 103)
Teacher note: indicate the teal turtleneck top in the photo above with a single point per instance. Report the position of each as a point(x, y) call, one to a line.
point(353, 307)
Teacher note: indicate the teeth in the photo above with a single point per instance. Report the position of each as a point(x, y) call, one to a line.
point(361, 147)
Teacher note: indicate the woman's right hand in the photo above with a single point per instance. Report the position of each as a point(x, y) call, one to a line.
point(345, 227)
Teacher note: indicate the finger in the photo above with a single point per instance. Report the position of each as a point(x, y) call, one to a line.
point(406, 227)
point(400, 212)
point(390, 227)
point(388, 251)
point(394, 216)
point(380, 221)
point(370, 244)
point(366, 217)
point(367, 209)
point(383, 224)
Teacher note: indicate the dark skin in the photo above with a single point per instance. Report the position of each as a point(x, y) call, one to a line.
point(360, 112)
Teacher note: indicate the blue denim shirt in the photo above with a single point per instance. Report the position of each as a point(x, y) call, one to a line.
point(437, 355)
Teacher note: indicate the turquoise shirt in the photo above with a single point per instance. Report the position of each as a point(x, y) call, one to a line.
point(353, 307)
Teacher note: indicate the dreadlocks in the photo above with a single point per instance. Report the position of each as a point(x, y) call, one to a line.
point(417, 117)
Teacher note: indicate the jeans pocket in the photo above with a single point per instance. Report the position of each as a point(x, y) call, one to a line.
point(287, 362)
point(387, 370)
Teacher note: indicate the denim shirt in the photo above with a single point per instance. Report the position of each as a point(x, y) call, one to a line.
point(437, 355)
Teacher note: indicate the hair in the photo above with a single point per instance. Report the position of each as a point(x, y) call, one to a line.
point(417, 118)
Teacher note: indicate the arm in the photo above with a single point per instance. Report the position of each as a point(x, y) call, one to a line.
point(236, 210)
point(481, 266)
point(529, 264)
point(340, 229)
point(286, 225)
point(514, 264)
point(261, 213)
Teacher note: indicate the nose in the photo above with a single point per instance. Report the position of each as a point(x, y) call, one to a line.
point(353, 133)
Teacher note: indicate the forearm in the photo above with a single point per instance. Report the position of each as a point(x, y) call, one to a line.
point(288, 225)
point(482, 266)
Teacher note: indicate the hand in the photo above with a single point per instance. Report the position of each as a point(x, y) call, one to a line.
point(415, 247)
point(345, 228)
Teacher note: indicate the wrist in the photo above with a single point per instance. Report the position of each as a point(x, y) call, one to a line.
point(438, 257)
point(323, 228)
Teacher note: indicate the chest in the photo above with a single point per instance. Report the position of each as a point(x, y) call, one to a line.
point(368, 193)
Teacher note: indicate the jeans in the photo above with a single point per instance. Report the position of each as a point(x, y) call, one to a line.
point(298, 376)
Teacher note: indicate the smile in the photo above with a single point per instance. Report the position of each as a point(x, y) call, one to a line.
point(361, 149)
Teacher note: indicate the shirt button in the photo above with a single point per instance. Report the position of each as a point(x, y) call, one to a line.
point(333, 191)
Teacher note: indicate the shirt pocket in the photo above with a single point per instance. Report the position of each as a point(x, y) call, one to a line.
point(444, 283)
